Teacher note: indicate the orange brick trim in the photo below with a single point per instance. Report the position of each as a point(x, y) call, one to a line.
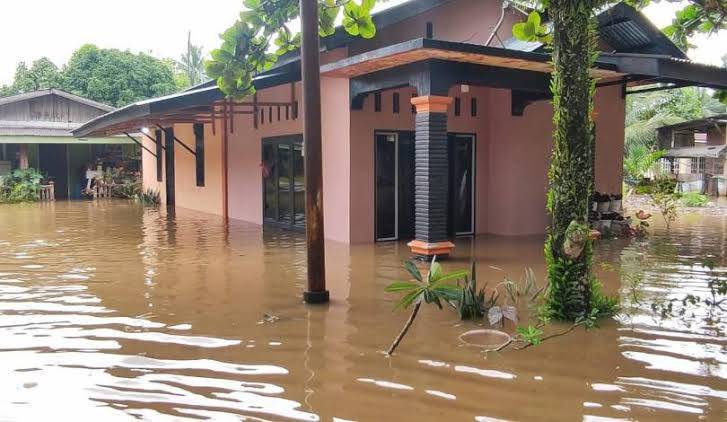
point(419, 247)
point(431, 103)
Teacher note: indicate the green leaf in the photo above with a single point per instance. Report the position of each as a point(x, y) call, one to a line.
point(366, 28)
point(435, 271)
point(409, 299)
point(399, 286)
point(412, 269)
point(367, 5)
point(534, 18)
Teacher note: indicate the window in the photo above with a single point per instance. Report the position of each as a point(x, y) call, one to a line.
point(395, 100)
point(377, 101)
point(457, 106)
point(697, 165)
point(430, 30)
point(199, 151)
point(473, 107)
point(158, 136)
point(666, 165)
point(295, 109)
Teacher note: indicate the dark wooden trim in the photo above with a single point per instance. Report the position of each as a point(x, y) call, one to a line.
point(169, 166)
point(199, 154)
point(159, 149)
point(136, 141)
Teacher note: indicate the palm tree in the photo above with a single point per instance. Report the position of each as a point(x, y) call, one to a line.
point(192, 62)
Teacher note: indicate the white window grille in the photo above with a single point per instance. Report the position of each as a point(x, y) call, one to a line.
point(697, 165)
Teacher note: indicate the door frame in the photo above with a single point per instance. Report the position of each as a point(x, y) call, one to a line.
point(396, 134)
point(473, 222)
point(275, 140)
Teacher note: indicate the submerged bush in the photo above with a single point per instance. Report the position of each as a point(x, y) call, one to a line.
point(694, 200)
point(148, 198)
point(20, 186)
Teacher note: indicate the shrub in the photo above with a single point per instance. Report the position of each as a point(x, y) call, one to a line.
point(20, 186)
point(694, 200)
point(148, 198)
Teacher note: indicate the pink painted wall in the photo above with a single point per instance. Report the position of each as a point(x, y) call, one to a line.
point(337, 187)
point(512, 156)
point(207, 198)
point(520, 155)
point(468, 21)
point(364, 124)
point(188, 195)
point(245, 152)
point(149, 168)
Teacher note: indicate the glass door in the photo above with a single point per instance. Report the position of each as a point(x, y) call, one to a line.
point(283, 182)
point(462, 192)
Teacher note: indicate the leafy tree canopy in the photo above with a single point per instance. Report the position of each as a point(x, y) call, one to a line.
point(246, 46)
point(109, 76)
point(116, 77)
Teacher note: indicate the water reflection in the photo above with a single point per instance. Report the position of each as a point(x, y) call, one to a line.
point(109, 311)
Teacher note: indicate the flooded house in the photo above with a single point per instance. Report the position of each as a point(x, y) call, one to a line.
point(35, 132)
point(695, 154)
point(440, 126)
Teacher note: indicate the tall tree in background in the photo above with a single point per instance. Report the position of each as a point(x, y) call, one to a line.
point(42, 74)
point(116, 77)
point(109, 76)
point(191, 62)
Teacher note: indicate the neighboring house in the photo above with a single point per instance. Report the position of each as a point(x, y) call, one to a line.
point(35, 131)
point(427, 133)
point(695, 154)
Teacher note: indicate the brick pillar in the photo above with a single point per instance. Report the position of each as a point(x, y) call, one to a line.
point(431, 181)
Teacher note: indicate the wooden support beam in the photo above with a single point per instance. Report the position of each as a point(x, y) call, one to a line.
point(190, 150)
point(310, 66)
point(137, 142)
point(150, 138)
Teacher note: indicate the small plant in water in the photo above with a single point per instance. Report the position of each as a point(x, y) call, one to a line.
point(429, 289)
point(666, 200)
point(694, 200)
point(148, 198)
point(530, 334)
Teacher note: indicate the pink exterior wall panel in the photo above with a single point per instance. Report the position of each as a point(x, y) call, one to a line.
point(469, 21)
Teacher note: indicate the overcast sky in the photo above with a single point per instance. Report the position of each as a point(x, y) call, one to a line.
point(30, 29)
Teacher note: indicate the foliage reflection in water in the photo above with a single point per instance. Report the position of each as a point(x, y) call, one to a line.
point(111, 311)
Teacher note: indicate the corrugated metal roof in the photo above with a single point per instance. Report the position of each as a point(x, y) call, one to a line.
point(53, 91)
point(43, 140)
point(625, 35)
point(708, 151)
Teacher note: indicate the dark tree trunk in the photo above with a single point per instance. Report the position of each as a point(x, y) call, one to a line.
point(571, 169)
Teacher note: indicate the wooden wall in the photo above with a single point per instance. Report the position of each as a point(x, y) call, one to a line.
point(49, 108)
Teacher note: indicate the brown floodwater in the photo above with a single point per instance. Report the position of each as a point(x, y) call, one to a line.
point(112, 312)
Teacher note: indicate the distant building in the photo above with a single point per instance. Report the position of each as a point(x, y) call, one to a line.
point(695, 154)
point(35, 131)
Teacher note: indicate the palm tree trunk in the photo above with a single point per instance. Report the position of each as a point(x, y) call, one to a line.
point(404, 330)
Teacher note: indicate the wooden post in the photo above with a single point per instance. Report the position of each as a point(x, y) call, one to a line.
point(23, 164)
point(169, 165)
point(311, 78)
